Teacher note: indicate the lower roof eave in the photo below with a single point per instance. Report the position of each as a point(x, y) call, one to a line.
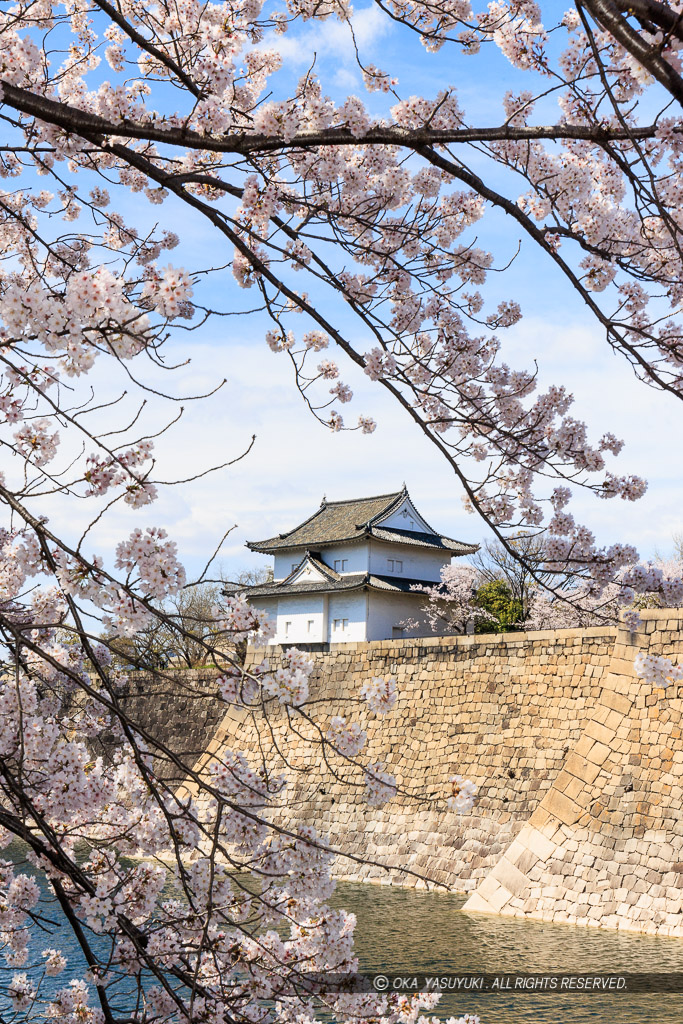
point(381, 584)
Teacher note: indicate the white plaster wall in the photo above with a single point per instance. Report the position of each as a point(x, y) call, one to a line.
point(356, 556)
point(299, 611)
point(418, 563)
point(347, 606)
point(284, 562)
point(371, 616)
point(387, 611)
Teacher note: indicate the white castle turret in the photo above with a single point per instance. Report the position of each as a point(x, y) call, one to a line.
point(347, 572)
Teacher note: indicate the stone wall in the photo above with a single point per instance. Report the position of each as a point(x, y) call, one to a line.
point(501, 710)
point(604, 846)
point(579, 766)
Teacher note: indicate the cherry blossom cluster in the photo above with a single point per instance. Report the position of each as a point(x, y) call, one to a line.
point(240, 618)
point(463, 794)
point(289, 685)
point(441, 364)
point(236, 688)
point(659, 671)
point(380, 694)
point(589, 603)
point(36, 442)
point(164, 112)
point(452, 602)
point(94, 306)
point(347, 738)
point(69, 793)
point(154, 558)
point(168, 291)
point(380, 785)
point(124, 468)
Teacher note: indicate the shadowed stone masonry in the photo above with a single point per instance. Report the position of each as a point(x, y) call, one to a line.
point(177, 707)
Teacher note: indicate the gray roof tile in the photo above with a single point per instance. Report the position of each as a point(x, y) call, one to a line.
point(338, 522)
point(426, 540)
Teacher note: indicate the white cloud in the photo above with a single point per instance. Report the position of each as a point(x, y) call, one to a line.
point(330, 38)
point(295, 461)
point(346, 79)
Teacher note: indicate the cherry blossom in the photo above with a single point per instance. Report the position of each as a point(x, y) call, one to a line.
point(349, 739)
point(290, 683)
point(463, 794)
point(451, 604)
point(659, 671)
point(21, 992)
point(55, 962)
point(355, 224)
point(380, 785)
point(380, 694)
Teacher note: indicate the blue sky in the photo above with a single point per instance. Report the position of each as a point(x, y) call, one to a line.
point(295, 461)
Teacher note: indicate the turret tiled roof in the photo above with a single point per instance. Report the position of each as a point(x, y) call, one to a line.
point(339, 522)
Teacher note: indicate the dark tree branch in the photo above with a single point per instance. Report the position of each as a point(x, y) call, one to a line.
point(87, 125)
point(608, 15)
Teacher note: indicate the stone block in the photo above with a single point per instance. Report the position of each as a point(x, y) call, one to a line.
point(599, 732)
point(598, 753)
point(617, 701)
point(581, 768)
point(583, 746)
point(478, 905)
point(510, 877)
point(566, 810)
point(537, 842)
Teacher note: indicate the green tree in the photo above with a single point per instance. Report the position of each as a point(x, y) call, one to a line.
point(497, 599)
point(519, 566)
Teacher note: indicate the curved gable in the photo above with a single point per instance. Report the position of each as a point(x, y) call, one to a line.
point(310, 570)
point(404, 517)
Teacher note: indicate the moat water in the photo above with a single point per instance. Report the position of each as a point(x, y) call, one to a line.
point(401, 931)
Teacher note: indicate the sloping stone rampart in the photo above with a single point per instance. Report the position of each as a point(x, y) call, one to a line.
point(579, 766)
point(177, 707)
point(501, 710)
point(605, 844)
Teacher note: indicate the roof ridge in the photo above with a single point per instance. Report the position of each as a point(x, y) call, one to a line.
point(409, 535)
point(326, 570)
point(419, 514)
point(298, 526)
point(371, 497)
point(350, 520)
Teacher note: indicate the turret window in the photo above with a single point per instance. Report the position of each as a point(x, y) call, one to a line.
point(341, 564)
point(394, 565)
